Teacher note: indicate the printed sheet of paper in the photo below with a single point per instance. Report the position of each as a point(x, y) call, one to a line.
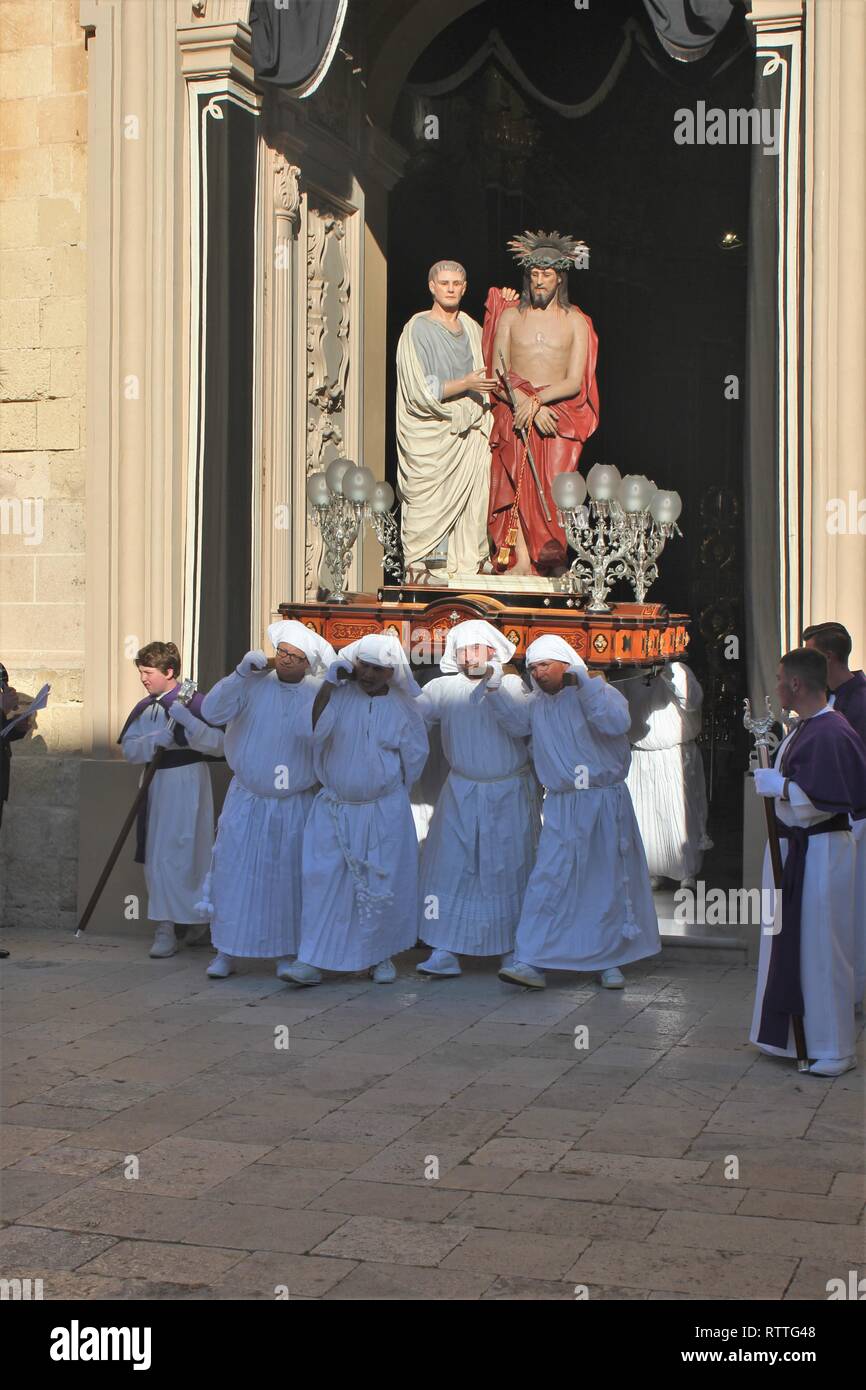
point(40, 701)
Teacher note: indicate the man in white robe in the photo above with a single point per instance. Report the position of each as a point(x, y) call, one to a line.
point(254, 888)
point(807, 962)
point(443, 425)
point(588, 904)
point(360, 848)
point(175, 829)
point(481, 844)
point(666, 778)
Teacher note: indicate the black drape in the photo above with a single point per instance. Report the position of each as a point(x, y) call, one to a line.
point(687, 29)
point(226, 510)
point(290, 40)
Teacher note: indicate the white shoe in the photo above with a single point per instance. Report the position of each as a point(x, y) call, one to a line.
point(612, 979)
point(301, 974)
point(518, 973)
point(384, 973)
point(164, 941)
point(690, 883)
point(833, 1066)
point(439, 963)
point(283, 966)
point(656, 882)
point(221, 967)
point(197, 935)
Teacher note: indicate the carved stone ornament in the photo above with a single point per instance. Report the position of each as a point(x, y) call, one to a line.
point(325, 394)
point(287, 195)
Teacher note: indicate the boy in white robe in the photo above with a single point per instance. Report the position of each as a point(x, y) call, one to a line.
point(254, 888)
point(588, 904)
point(808, 961)
point(176, 822)
point(666, 778)
point(480, 847)
point(360, 847)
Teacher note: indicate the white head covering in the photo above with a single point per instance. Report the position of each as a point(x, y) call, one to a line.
point(318, 652)
point(469, 634)
point(380, 649)
point(552, 648)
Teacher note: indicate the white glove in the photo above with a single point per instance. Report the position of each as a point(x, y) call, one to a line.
point(253, 661)
point(493, 675)
point(769, 782)
point(332, 675)
point(181, 714)
point(164, 739)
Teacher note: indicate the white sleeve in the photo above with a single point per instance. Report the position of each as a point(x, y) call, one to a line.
point(204, 739)
point(327, 719)
point(227, 699)
point(140, 747)
point(684, 686)
point(799, 808)
point(414, 748)
point(512, 708)
point(604, 708)
point(427, 705)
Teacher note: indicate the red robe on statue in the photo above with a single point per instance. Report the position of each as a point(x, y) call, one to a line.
point(577, 419)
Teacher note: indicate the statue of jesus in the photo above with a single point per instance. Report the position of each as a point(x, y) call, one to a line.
point(549, 349)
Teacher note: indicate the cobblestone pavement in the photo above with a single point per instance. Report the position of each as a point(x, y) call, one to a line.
point(310, 1171)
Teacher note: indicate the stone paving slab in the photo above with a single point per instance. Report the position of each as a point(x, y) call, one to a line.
point(446, 1140)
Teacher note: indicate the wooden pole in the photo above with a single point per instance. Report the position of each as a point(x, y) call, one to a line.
point(150, 772)
point(759, 732)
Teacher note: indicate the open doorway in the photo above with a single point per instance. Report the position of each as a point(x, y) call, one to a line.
point(565, 119)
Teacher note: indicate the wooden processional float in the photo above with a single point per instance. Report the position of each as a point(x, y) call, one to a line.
point(629, 635)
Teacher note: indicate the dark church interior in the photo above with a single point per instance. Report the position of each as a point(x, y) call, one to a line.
point(564, 119)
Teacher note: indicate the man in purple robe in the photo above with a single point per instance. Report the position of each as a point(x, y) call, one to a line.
point(847, 687)
point(808, 960)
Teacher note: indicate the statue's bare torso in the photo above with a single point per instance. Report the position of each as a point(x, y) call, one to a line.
point(545, 346)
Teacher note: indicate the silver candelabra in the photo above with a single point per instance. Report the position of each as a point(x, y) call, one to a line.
point(342, 500)
point(619, 534)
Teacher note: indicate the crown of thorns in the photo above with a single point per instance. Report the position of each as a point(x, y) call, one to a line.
point(546, 250)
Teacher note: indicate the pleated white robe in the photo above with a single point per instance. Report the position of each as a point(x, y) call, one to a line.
point(830, 922)
point(443, 461)
point(666, 778)
point(480, 847)
point(367, 753)
point(255, 883)
point(859, 832)
point(588, 904)
point(180, 818)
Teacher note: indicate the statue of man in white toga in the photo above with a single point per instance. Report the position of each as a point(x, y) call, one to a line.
point(443, 424)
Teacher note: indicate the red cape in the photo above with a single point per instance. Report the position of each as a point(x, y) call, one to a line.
point(577, 419)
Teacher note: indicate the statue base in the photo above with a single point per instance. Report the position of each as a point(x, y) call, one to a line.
point(505, 583)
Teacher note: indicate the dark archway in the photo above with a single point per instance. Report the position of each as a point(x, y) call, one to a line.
point(667, 295)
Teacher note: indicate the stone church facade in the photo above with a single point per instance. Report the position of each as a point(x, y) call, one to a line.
point(194, 318)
